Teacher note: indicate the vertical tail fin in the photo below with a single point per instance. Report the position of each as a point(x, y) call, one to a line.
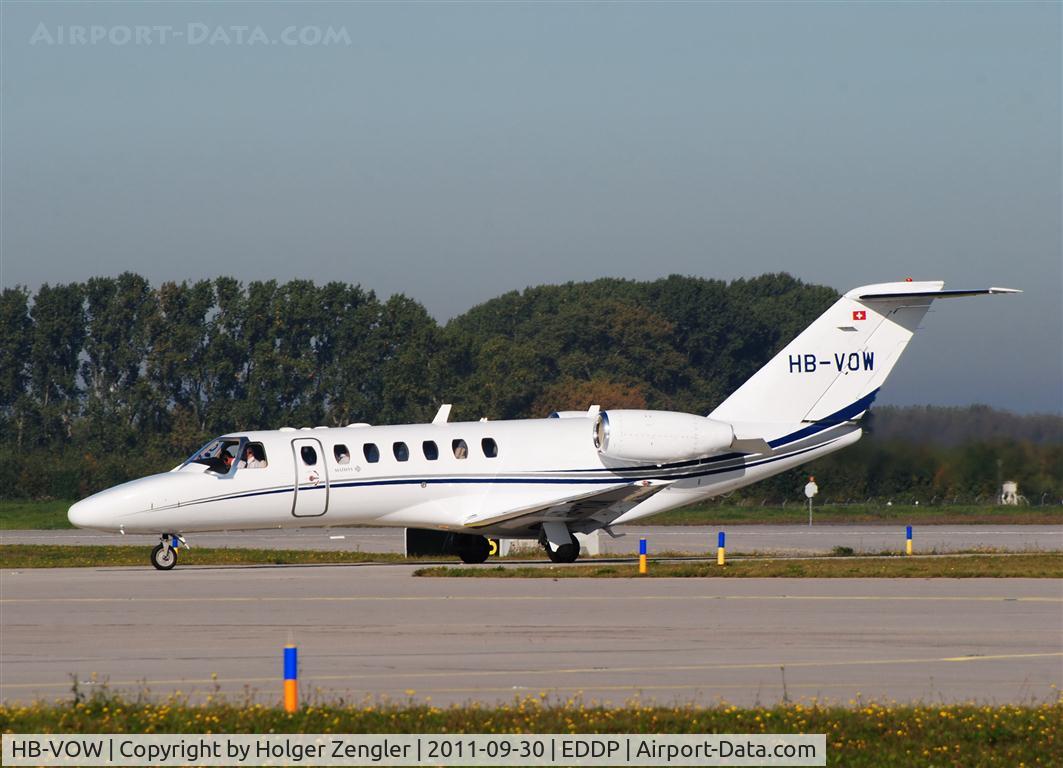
point(833, 370)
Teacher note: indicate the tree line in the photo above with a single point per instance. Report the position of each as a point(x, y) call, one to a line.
point(113, 378)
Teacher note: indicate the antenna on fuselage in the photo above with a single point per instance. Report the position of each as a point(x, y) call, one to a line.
point(443, 414)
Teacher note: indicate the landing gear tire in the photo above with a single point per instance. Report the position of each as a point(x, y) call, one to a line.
point(473, 549)
point(566, 553)
point(164, 558)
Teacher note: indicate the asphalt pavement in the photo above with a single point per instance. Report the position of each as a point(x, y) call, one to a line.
point(367, 632)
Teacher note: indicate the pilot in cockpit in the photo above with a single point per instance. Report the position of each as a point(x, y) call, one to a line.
point(252, 459)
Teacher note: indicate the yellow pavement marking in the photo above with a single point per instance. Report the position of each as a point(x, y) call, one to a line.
point(310, 678)
point(535, 690)
point(527, 598)
point(992, 657)
point(628, 687)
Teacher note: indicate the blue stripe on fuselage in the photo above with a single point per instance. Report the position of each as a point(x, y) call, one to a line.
point(847, 413)
point(522, 481)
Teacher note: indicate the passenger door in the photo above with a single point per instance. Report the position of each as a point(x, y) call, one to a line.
point(311, 478)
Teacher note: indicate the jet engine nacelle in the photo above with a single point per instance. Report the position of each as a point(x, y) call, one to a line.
point(659, 436)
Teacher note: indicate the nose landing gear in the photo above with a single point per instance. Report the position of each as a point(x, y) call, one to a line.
point(164, 556)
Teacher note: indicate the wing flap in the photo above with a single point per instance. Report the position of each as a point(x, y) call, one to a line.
point(609, 504)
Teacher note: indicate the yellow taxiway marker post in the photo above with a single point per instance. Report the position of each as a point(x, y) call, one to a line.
point(642, 556)
point(908, 541)
point(720, 551)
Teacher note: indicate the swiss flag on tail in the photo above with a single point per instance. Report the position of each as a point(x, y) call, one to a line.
point(859, 314)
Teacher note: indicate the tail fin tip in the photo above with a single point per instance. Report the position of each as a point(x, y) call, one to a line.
point(840, 361)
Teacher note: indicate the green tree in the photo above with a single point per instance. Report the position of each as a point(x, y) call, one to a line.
point(177, 359)
point(118, 314)
point(58, 316)
point(407, 342)
point(350, 351)
point(16, 339)
point(16, 330)
point(578, 395)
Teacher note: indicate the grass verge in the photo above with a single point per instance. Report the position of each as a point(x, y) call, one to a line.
point(1036, 565)
point(34, 515)
point(58, 556)
point(858, 735)
point(961, 565)
point(38, 515)
point(863, 514)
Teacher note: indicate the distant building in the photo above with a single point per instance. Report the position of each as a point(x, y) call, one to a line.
point(1009, 494)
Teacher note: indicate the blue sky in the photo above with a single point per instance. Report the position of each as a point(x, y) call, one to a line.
point(456, 151)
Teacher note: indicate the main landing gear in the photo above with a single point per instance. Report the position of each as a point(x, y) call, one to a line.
point(471, 548)
point(560, 545)
point(164, 556)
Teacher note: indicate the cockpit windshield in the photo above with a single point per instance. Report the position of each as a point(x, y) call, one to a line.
point(219, 455)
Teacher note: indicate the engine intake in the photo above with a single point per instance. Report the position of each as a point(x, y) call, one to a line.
point(659, 436)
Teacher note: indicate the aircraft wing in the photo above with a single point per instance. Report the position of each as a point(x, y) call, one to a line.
point(602, 506)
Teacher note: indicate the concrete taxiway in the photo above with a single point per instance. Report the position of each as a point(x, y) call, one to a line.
point(371, 631)
point(783, 539)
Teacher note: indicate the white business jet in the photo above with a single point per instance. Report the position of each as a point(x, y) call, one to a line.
point(541, 479)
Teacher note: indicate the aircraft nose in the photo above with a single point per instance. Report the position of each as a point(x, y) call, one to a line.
point(87, 513)
point(122, 508)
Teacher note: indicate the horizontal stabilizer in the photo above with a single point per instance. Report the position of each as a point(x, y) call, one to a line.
point(931, 294)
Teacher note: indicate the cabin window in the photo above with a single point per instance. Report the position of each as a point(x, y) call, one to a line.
point(490, 447)
point(431, 450)
point(402, 453)
point(254, 457)
point(372, 454)
point(461, 450)
point(309, 455)
point(343, 456)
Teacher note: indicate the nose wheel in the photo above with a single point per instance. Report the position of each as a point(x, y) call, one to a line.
point(164, 556)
